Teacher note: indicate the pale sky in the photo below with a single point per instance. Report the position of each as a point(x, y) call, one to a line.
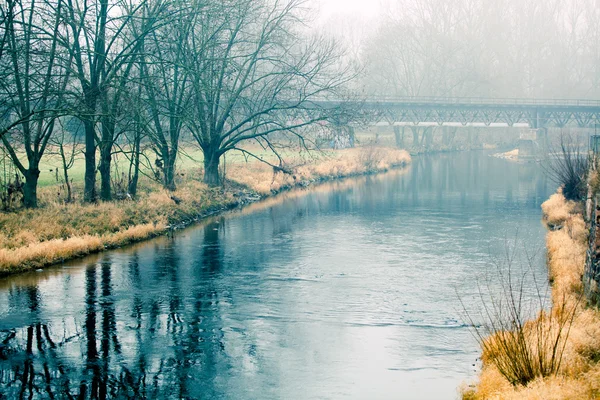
point(368, 9)
point(350, 20)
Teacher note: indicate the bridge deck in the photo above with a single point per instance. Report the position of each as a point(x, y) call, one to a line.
point(484, 102)
point(537, 113)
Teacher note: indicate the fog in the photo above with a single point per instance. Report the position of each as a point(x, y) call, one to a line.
point(457, 48)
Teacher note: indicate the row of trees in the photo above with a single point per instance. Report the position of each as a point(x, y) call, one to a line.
point(486, 48)
point(131, 72)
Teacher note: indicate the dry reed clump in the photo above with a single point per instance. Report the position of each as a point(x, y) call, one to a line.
point(557, 209)
point(578, 375)
point(566, 257)
point(493, 386)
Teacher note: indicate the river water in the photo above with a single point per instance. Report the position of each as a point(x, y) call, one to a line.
point(349, 290)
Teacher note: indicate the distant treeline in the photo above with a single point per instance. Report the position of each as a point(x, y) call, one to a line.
point(486, 48)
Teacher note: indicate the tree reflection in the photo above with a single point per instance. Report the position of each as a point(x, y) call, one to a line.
point(29, 366)
point(32, 361)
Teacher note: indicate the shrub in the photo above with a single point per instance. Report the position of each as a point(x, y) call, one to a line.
point(569, 168)
point(522, 349)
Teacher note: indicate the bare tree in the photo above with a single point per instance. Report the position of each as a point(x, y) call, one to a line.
point(167, 87)
point(35, 88)
point(461, 48)
point(104, 39)
point(253, 77)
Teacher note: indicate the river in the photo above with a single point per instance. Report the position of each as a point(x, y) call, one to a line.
point(349, 290)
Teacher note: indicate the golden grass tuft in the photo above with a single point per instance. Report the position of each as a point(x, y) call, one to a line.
point(579, 373)
point(566, 257)
point(39, 254)
point(557, 209)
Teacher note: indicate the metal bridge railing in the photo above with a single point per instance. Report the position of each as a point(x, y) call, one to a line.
point(484, 101)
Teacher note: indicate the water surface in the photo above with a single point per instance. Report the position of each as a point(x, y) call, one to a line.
point(345, 291)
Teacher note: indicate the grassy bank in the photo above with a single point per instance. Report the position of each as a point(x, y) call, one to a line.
point(32, 239)
point(578, 372)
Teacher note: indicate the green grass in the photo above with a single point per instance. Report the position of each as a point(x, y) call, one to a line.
point(190, 158)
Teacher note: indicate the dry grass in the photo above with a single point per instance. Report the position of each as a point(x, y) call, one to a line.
point(31, 239)
point(38, 254)
point(566, 257)
point(557, 209)
point(341, 163)
point(579, 374)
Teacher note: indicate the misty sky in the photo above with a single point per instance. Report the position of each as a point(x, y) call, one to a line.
point(349, 20)
point(368, 9)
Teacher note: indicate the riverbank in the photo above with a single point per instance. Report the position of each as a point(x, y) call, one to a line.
point(578, 375)
point(56, 232)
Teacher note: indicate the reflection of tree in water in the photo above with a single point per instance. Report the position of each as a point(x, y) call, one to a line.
point(166, 351)
point(30, 365)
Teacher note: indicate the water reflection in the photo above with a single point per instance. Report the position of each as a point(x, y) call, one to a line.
point(345, 291)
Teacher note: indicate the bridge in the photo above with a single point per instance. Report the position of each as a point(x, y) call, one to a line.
point(536, 113)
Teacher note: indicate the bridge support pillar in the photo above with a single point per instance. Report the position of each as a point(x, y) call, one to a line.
point(542, 142)
point(399, 136)
point(526, 149)
point(533, 144)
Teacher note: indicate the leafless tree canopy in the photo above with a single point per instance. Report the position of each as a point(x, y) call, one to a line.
point(144, 73)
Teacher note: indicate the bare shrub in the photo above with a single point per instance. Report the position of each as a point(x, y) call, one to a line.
point(520, 344)
point(569, 168)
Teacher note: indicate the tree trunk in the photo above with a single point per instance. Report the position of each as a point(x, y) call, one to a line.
point(89, 193)
point(65, 167)
point(30, 188)
point(211, 168)
point(68, 185)
point(135, 160)
point(106, 145)
point(105, 160)
point(169, 171)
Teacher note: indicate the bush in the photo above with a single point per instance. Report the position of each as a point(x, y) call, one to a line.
point(520, 346)
point(569, 168)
